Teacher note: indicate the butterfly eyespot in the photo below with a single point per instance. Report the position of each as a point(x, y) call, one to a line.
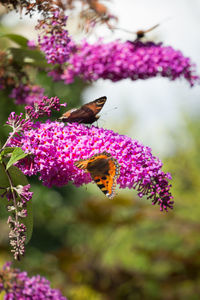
point(104, 177)
point(97, 180)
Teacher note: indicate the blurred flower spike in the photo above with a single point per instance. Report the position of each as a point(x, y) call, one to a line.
point(41, 107)
point(26, 94)
point(17, 285)
point(54, 40)
point(56, 147)
point(135, 60)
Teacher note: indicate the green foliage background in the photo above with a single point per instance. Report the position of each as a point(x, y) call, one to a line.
point(94, 248)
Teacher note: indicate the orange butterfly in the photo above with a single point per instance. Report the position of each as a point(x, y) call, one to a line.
point(104, 170)
point(87, 113)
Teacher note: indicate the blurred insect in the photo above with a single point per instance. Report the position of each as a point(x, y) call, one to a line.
point(104, 170)
point(86, 114)
point(140, 33)
point(96, 13)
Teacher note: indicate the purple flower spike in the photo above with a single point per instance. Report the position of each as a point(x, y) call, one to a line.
point(135, 60)
point(27, 94)
point(18, 123)
point(17, 285)
point(24, 193)
point(42, 107)
point(56, 147)
point(54, 40)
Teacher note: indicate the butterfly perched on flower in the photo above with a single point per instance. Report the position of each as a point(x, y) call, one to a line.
point(104, 170)
point(87, 113)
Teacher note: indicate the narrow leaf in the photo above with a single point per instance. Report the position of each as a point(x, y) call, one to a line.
point(18, 39)
point(20, 55)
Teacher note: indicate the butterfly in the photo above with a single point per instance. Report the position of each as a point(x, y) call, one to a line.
point(104, 170)
point(87, 113)
point(140, 33)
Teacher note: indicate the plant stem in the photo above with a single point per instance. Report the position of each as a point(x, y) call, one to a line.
point(8, 140)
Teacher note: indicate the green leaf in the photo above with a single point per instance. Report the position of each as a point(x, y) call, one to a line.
point(17, 154)
point(21, 55)
point(17, 178)
point(18, 39)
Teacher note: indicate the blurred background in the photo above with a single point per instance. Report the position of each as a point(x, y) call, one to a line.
point(93, 248)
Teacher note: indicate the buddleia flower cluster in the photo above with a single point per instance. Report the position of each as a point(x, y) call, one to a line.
point(56, 147)
point(41, 107)
point(19, 196)
point(26, 93)
point(53, 39)
point(18, 285)
point(134, 60)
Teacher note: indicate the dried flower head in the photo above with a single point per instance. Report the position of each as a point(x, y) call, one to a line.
point(17, 204)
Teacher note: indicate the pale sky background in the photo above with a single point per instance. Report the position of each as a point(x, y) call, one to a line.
point(148, 110)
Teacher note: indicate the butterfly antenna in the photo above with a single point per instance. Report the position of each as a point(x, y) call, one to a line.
point(157, 25)
point(145, 31)
point(152, 28)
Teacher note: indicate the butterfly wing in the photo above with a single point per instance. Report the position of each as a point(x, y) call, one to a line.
point(96, 105)
point(107, 182)
point(86, 113)
point(104, 170)
point(76, 115)
point(82, 164)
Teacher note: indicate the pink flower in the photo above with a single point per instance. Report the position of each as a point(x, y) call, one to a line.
point(54, 40)
point(18, 285)
point(43, 107)
point(26, 94)
point(18, 123)
point(32, 44)
point(135, 60)
point(56, 147)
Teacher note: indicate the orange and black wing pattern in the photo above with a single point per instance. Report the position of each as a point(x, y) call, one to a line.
point(87, 113)
point(104, 170)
